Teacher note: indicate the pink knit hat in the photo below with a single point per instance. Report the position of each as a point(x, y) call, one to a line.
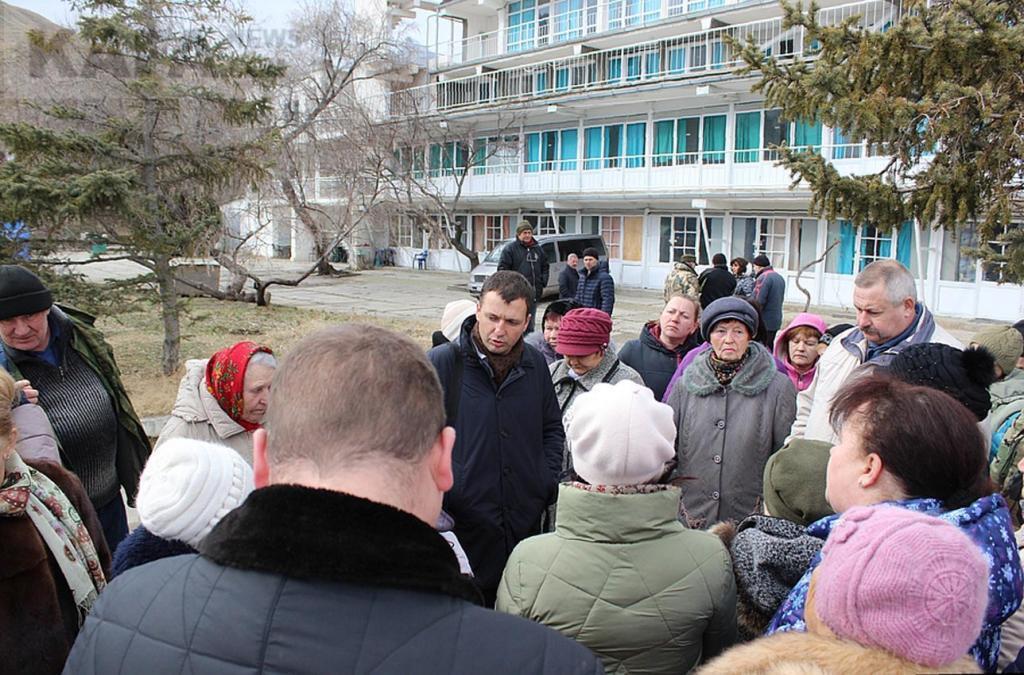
point(583, 331)
point(905, 582)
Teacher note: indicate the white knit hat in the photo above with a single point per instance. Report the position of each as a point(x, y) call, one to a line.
point(455, 312)
point(188, 486)
point(619, 435)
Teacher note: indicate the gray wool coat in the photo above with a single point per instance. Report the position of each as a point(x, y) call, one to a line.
point(726, 434)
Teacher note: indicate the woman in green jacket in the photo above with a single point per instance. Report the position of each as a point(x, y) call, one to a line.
point(620, 573)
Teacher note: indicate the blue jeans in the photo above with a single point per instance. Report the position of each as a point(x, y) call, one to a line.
point(114, 520)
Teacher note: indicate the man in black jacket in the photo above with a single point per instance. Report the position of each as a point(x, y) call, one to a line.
point(509, 436)
point(525, 255)
point(596, 288)
point(333, 564)
point(569, 278)
point(716, 281)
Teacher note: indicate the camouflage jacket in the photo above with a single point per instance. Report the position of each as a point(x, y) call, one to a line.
point(682, 279)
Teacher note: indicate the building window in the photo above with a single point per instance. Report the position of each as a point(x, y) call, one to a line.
point(748, 136)
point(994, 271)
point(771, 240)
point(632, 12)
point(874, 245)
point(611, 231)
point(776, 132)
point(522, 16)
point(681, 235)
point(496, 230)
point(843, 147)
point(404, 231)
point(714, 139)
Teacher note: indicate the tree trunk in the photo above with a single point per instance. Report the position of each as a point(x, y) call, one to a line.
point(323, 263)
point(169, 312)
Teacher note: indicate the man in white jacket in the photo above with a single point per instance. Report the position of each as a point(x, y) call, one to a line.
point(889, 318)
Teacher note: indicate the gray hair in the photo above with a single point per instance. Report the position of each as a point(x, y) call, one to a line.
point(898, 281)
point(263, 359)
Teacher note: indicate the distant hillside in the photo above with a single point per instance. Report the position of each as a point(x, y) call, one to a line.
point(15, 22)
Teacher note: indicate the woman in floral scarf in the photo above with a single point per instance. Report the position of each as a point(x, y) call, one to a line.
point(223, 399)
point(54, 559)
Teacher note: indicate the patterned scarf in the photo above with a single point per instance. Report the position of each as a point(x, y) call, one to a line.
point(501, 364)
point(27, 492)
point(725, 371)
point(646, 489)
point(225, 379)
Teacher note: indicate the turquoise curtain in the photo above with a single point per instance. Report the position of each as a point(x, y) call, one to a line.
point(636, 135)
point(847, 241)
point(653, 64)
point(663, 143)
point(435, 159)
point(808, 134)
point(633, 68)
point(614, 70)
point(542, 81)
point(748, 129)
point(849, 151)
point(714, 139)
point(592, 148)
point(480, 156)
point(612, 145)
point(717, 54)
point(905, 243)
point(532, 152)
point(561, 79)
point(569, 149)
point(677, 60)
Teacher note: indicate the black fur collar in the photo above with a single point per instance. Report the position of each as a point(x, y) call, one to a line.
point(308, 533)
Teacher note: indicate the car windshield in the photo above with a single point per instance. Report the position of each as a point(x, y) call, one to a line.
point(495, 253)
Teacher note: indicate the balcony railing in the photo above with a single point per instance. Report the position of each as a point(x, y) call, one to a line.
point(578, 19)
point(697, 54)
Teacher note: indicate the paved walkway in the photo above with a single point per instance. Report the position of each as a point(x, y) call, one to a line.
point(422, 295)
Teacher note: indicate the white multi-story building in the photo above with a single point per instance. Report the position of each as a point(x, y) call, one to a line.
point(631, 122)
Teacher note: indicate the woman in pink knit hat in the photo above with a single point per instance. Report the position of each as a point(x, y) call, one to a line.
point(896, 592)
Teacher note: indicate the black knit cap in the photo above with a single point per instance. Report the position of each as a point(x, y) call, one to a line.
point(21, 292)
point(963, 374)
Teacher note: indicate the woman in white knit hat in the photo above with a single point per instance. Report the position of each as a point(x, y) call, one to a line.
point(620, 573)
point(185, 489)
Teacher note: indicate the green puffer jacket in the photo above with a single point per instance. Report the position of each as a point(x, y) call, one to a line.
point(621, 575)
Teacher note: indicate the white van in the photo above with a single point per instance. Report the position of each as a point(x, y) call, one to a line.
point(556, 247)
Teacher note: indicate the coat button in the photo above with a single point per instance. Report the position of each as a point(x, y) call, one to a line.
point(717, 459)
point(720, 424)
point(504, 434)
point(715, 495)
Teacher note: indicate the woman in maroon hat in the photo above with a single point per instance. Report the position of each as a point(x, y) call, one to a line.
point(583, 338)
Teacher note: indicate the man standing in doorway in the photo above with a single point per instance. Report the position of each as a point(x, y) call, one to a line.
point(525, 255)
point(509, 437)
point(769, 292)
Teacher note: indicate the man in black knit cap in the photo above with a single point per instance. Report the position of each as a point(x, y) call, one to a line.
point(68, 361)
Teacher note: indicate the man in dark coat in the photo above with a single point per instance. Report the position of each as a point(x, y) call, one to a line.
point(596, 288)
point(333, 564)
point(525, 255)
point(716, 281)
point(663, 343)
point(769, 292)
point(69, 362)
point(569, 278)
point(509, 440)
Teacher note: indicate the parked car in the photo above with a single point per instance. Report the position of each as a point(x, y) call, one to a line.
point(556, 247)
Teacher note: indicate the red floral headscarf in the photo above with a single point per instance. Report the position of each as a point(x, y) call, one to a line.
point(225, 378)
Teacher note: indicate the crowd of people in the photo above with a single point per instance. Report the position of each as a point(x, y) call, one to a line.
point(720, 494)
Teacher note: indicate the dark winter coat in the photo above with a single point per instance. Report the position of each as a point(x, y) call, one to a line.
point(142, 546)
point(596, 289)
point(568, 281)
point(133, 446)
point(529, 261)
point(715, 282)
point(507, 455)
point(655, 362)
point(300, 580)
point(38, 615)
point(770, 292)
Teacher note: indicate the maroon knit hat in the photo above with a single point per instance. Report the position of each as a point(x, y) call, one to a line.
point(583, 331)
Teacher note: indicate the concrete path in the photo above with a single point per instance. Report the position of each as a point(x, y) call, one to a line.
point(422, 295)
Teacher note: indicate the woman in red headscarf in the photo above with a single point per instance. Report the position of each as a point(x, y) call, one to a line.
point(223, 399)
